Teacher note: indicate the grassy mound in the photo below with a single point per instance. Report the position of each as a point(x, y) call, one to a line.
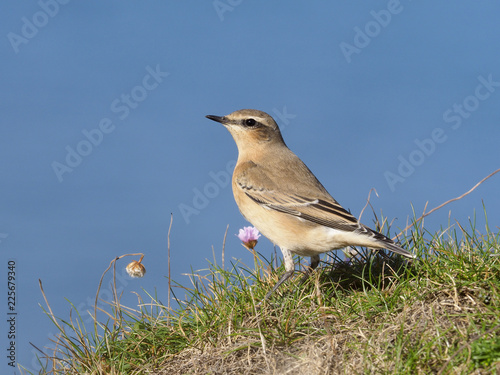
point(374, 313)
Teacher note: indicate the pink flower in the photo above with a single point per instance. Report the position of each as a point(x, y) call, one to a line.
point(249, 236)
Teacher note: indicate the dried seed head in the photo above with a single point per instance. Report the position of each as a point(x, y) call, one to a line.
point(136, 269)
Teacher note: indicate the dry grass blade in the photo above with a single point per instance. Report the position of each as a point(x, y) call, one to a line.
point(48, 306)
point(224, 246)
point(168, 255)
point(367, 202)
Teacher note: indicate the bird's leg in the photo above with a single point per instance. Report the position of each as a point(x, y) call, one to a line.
point(289, 270)
point(312, 266)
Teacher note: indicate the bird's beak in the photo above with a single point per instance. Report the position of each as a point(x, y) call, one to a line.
point(221, 119)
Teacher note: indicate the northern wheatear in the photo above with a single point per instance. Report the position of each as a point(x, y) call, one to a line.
point(281, 197)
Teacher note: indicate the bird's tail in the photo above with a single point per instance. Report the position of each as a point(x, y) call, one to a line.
point(384, 242)
point(391, 246)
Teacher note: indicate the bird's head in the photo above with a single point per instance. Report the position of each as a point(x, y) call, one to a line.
point(250, 128)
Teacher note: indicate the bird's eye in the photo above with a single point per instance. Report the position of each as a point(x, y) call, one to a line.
point(250, 122)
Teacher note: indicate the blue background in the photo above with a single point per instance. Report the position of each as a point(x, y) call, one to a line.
point(355, 86)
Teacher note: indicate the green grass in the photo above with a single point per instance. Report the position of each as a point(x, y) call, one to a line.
point(376, 314)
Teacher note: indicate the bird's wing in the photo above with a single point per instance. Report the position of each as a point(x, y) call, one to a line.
point(308, 201)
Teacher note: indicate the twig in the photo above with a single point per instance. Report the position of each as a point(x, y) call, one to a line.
point(445, 203)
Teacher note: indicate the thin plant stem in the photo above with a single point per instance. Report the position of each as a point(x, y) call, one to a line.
point(445, 203)
point(224, 246)
point(168, 251)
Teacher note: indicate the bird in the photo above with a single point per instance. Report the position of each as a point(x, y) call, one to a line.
point(280, 196)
